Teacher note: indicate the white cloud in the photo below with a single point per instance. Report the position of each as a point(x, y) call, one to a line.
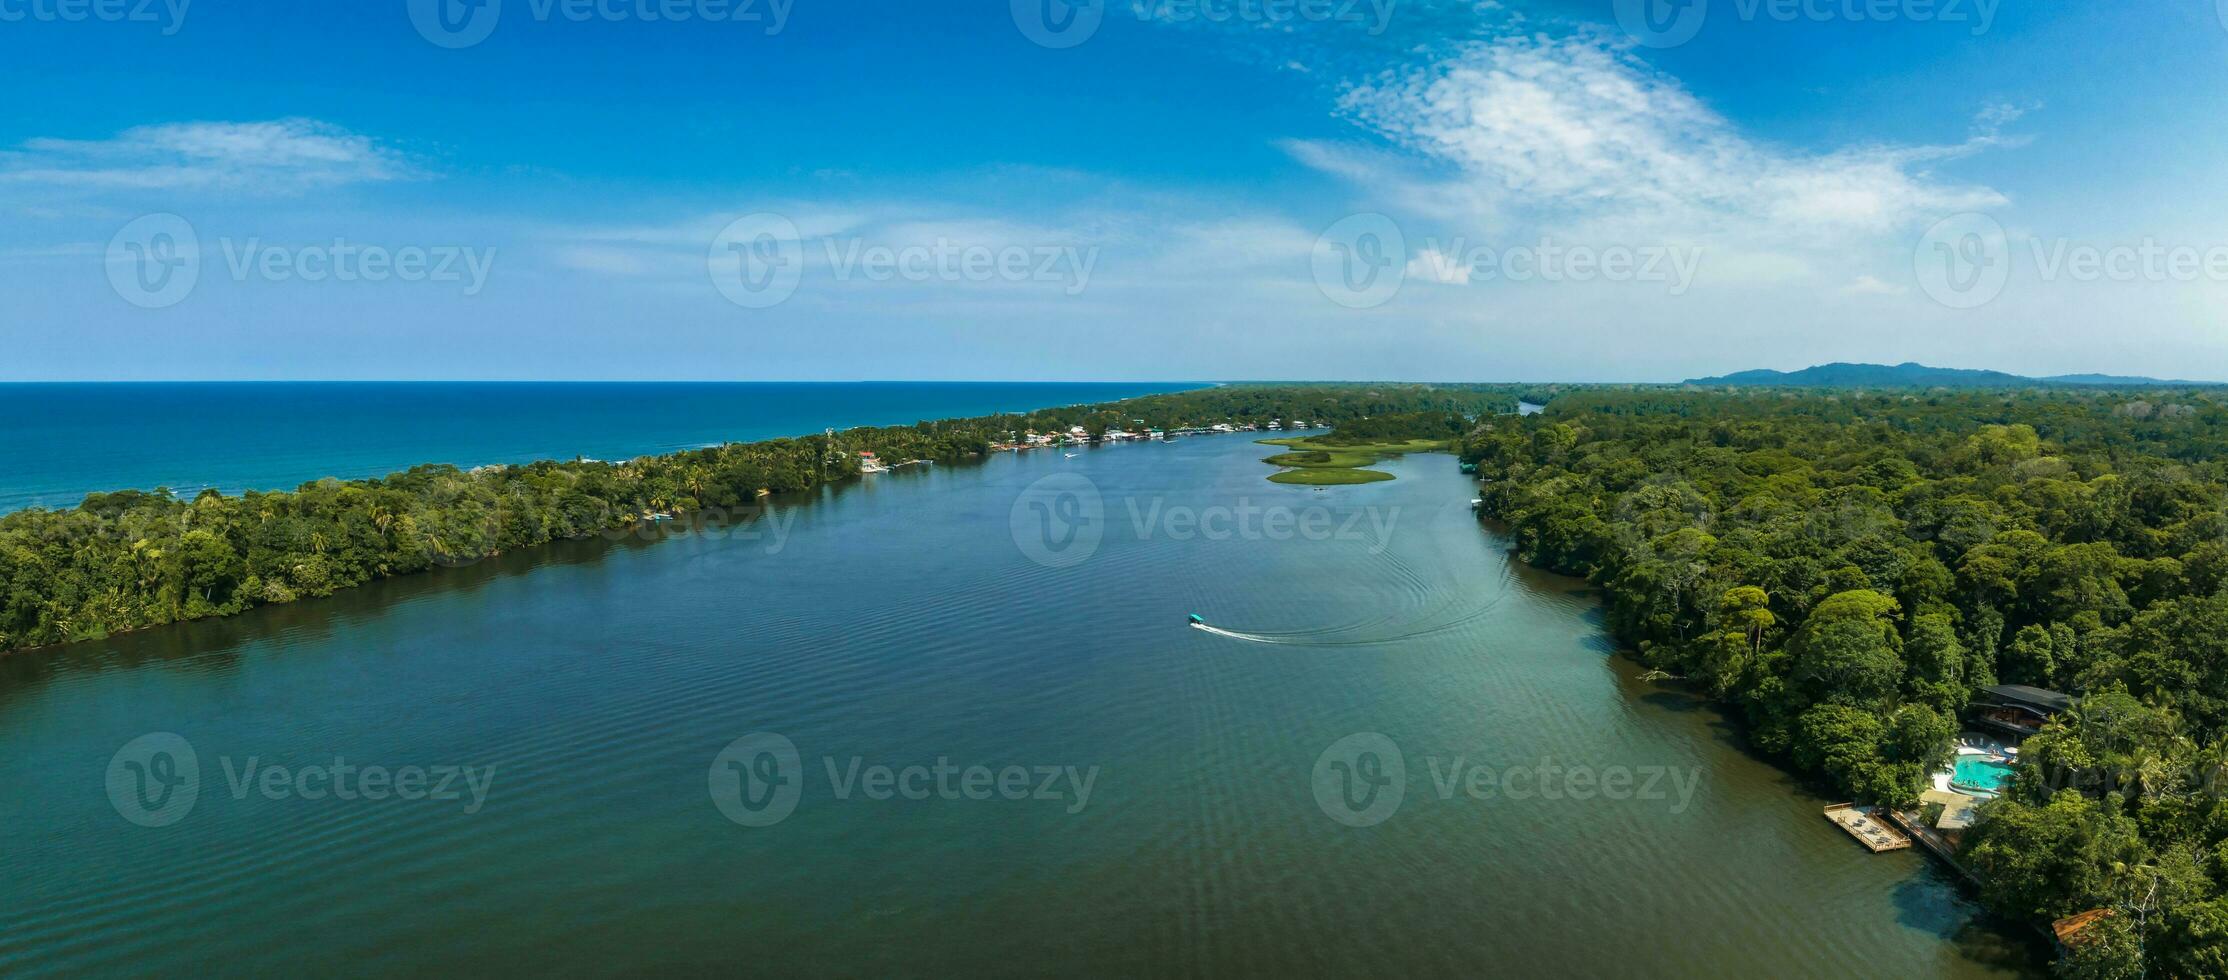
point(279, 156)
point(1561, 131)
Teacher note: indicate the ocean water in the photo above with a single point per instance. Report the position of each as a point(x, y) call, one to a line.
point(1372, 774)
point(59, 442)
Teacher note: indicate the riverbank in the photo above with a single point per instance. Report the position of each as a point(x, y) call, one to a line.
point(131, 560)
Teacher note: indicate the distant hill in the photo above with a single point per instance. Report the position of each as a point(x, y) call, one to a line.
point(1912, 375)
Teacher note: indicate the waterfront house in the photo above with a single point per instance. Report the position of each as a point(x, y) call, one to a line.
point(2017, 710)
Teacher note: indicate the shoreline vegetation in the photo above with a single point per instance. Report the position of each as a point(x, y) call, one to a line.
point(1338, 457)
point(1844, 570)
point(132, 559)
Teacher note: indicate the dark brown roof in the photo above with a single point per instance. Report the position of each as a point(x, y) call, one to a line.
point(2022, 694)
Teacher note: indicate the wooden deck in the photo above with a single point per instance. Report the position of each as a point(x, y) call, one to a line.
point(1868, 827)
point(1933, 841)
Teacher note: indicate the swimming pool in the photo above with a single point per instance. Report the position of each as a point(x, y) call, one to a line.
point(1979, 774)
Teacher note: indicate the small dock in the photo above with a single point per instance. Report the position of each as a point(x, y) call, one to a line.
point(1933, 841)
point(1867, 827)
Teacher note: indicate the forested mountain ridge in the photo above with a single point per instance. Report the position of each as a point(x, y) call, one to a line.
point(1841, 374)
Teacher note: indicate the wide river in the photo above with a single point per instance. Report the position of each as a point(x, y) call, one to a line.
point(945, 720)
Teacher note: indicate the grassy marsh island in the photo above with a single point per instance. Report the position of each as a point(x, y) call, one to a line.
point(1329, 476)
point(1337, 458)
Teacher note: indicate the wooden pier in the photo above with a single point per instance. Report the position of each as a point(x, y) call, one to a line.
point(1864, 824)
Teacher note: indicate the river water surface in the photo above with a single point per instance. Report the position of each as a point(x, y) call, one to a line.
point(1026, 612)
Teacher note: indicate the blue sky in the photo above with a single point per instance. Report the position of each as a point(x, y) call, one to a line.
point(1182, 190)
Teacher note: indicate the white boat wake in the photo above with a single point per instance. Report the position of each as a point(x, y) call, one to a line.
point(1331, 638)
point(1235, 635)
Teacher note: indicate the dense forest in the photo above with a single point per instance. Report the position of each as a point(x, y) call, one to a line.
point(1844, 568)
point(1401, 427)
point(133, 559)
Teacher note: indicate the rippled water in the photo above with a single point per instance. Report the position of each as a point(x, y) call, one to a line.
point(904, 621)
